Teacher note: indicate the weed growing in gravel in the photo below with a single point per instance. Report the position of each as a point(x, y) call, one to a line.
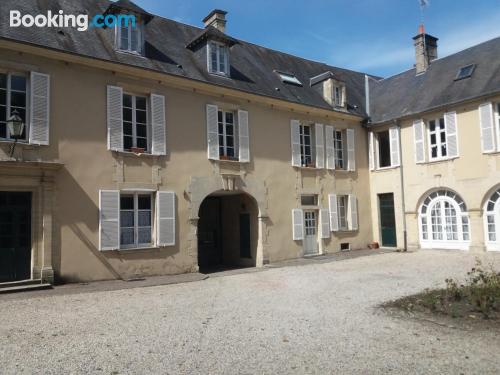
point(479, 293)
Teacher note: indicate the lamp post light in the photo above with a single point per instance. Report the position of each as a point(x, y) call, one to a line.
point(16, 126)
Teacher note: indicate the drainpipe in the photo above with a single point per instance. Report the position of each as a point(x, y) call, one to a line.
point(401, 174)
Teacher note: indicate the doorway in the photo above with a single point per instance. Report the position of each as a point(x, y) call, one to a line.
point(15, 236)
point(387, 219)
point(227, 232)
point(311, 233)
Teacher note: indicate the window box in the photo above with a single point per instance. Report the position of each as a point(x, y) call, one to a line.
point(137, 150)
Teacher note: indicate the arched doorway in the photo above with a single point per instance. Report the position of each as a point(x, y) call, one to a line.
point(227, 231)
point(444, 221)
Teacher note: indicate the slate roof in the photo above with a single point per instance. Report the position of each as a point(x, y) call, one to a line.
point(252, 66)
point(406, 93)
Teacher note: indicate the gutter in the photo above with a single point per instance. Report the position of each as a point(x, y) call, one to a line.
point(401, 176)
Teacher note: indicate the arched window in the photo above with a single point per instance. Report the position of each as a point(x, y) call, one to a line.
point(492, 221)
point(444, 221)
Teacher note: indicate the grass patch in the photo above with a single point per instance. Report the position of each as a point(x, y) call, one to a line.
point(477, 297)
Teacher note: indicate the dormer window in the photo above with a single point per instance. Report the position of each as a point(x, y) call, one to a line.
point(288, 78)
point(218, 58)
point(331, 88)
point(338, 98)
point(129, 36)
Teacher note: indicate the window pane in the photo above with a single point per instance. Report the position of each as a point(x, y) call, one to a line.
point(144, 202)
point(432, 125)
point(127, 143)
point(126, 219)
point(433, 139)
point(144, 235)
point(140, 102)
point(229, 129)
point(3, 113)
point(127, 236)
point(3, 97)
point(229, 141)
point(142, 143)
point(229, 117)
point(230, 151)
point(3, 130)
point(142, 131)
point(17, 99)
point(441, 123)
point(127, 114)
point(144, 218)
point(384, 149)
point(126, 202)
point(135, 40)
point(3, 81)
point(140, 116)
point(18, 83)
point(127, 100)
point(127, 128)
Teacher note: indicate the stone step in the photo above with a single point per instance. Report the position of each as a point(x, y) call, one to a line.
point(23, 286)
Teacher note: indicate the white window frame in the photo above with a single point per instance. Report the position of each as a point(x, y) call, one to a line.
point(425, 222)
point(494, 215)
point(496, 119)
point(343, 206)
point(439, 143)
point(130, 30)
point(303, 155)
point(338, 99)
point(219, 48)
point(8, 110)
point(224, 134)
point(343, 146)
point(134, 121)
point(136, 244)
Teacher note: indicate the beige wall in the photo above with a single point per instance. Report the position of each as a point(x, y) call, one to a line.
point(78, 140)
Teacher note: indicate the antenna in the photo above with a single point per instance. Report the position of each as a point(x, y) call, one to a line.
point(423, 5)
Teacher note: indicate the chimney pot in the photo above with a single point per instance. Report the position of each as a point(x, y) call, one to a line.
point(217, 19)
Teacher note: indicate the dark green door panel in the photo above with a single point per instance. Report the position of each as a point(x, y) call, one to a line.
point(15, 236)
point(387, 219)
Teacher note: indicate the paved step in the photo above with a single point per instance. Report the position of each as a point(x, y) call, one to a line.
point(23, 286)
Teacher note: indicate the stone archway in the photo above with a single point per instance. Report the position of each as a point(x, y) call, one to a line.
point(202, 187)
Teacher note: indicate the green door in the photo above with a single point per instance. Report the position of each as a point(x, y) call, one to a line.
point(387, 219)
point(15, 236)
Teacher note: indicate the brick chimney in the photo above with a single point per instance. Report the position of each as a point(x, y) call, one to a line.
point(217, 19)
point(425, 50)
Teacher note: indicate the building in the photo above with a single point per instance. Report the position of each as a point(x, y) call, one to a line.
point(162, 148)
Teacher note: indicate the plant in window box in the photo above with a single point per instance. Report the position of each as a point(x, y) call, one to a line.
point(310, 165)
point(224, 157)
point(137, 150)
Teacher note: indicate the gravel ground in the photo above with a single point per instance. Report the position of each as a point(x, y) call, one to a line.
point(315, 319)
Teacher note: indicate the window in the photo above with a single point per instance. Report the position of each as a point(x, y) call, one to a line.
point(342, 202)
point(135, 220)
point(218, 58)
point(13, 97)
point(444, 221)
point(129, 37)
point(289, 78)
point(135, 123)
point(309, 200)
point(437, 139)
point(227, 144)
point(492, 221)
point(384, 149)
point(337, 96)
point(306, 154)
point(465, 72)
point(339, 146)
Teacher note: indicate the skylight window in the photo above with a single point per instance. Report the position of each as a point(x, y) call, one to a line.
point(289, 78)
point(465, 72)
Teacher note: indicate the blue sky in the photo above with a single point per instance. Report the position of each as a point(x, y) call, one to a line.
point(373, 36)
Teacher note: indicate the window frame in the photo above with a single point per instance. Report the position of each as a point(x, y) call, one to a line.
point(338, 93)
point(225, 136)
point(8, 109)
point(377, 150)
point(303, 146)
point(439, 143)
point(343, 204)
point(140, 38)
point(343, 149)
point(136, 244)
point(134, 122)
point(218, 46)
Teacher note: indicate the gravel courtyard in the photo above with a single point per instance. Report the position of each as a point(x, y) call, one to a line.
point(318, 318)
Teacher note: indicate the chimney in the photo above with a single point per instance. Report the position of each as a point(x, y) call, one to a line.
point(425, 49)
point(217, 19)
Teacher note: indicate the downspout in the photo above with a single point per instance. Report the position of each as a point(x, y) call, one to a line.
point(401, 175)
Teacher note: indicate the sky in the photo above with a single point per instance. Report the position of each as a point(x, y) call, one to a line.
point(371, 36)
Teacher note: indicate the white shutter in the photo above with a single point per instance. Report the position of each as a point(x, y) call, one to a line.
point(40, 109)
point(394, 140)
point(109, 219)
point(324, 222)
point(158, 125)
point(212, 132)
point(418, 132)
point(165, 218)
point(334, 218)
point(371, 150)
point(351, 154)
point(330, 147)
point(487, 127)
point(115, 118)
point(320, 146)
point(295, 138)
point(243, 136)
point(450, 123)
point(353, 208)
point(298, 224)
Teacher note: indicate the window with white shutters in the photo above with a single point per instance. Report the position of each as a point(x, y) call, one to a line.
point(394, 145)
point(334, 218)
point(443, 137)
point(109, 220)
point(342, 212)
point(297, 224)
point(136, 220)
point(324, 221)
point(136, 134)
point(386, 145)
point(351, 152)
point(165, 218)
point(330, 147)
point(39, 109)
point(418, 134)
point(489, 125)
point(306, 147)
point(13, 98)
point(320, 146)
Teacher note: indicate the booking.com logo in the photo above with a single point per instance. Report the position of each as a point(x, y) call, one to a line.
point(80, 22)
